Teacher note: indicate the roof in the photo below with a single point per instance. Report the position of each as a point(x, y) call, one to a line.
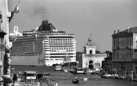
point(127, 32)
point(96, 55)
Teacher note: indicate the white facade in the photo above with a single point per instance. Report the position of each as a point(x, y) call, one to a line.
point(90, 55)
point(90, 49)
point(57, 48)
point(96, 58)
point(51, 61)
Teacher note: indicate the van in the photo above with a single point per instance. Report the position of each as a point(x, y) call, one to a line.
point(29, 75)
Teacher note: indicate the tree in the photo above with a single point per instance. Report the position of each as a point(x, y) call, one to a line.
point(109, 53)
point(98, 52)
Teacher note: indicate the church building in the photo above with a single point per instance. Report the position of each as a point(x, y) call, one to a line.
point(90, 59)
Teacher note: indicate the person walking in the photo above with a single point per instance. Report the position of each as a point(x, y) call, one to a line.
point(14, 78)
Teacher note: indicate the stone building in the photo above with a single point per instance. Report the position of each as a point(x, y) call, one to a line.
point(107, 64)
point(124, 49)
point(90, 58)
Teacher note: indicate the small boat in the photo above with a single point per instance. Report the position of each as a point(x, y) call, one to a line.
point(75, 81)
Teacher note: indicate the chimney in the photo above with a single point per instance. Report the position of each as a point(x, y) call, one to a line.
point(44, 26)
point(44, 22)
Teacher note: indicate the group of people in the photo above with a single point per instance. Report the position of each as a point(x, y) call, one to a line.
point(46, 80)
point(43, 80)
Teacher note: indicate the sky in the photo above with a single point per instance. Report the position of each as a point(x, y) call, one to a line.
point(80, 17)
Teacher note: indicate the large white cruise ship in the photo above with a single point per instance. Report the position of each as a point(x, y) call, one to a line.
point(43, 46)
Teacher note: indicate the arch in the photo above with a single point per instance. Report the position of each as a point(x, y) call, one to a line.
point(91, 64)
point(90, 52)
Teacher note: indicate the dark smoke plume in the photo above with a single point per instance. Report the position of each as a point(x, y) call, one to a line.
point(40, 12)
point(36, 8)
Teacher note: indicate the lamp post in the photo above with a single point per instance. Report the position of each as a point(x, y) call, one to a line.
point(7, 17)
point(2, 34)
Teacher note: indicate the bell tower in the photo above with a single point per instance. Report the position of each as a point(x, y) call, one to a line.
point(90, 48)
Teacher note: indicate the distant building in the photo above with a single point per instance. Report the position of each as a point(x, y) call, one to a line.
point(79, 58)
point(107, 64)
point(90, 59)
point(125, 51)
point(43, 46)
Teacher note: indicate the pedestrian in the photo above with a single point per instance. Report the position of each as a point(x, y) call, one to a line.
point(14, 78)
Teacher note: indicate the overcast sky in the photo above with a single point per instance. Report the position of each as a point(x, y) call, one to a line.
point(80, 17)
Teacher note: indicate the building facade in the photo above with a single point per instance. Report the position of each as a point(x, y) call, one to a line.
point(107, 64)
point(79, 58)
point(48, 45)
point(90, 59)
point(124, 47)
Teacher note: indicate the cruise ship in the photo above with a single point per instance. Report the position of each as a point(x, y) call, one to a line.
point(42, 46)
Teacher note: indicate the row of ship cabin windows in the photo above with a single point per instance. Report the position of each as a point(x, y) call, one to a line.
point(60, 39)
point(54, 59)
point(66, 51)
point(59, 48)
point(59, 44)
